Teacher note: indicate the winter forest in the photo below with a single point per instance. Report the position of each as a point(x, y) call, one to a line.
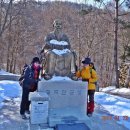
point(90, 28)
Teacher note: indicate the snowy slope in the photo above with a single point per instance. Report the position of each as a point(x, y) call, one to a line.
point(114, 90)
point(2, 72)
point(118, 107)
point(10, 92)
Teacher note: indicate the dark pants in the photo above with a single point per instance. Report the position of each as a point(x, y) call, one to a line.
point(90, 105)
point(25, 103)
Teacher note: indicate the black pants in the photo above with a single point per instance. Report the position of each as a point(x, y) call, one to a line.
point(25, 103)
point(91, 95)
point(90, 104)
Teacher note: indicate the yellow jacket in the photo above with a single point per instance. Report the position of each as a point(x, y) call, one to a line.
point(90, 75)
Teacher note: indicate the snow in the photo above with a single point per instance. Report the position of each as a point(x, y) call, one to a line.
point(60, 52)
point(58, 42)
point(115, 105)
point(122, 91)
point(107, 89)
point(113, 90)
point(59, 78)
point(9, 90)
point(2, 72)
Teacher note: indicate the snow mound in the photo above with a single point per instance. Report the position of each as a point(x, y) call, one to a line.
point(61, 52)
point(59, 78)
point(58, 42)
point(2, 72)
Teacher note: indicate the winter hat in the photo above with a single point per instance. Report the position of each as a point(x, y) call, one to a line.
point(86, 61)
point(35, 59)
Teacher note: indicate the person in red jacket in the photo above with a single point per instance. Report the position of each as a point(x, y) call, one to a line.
point(30, 82)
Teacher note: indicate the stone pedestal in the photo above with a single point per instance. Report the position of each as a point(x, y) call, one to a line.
point(39, 108)
point(68, 100)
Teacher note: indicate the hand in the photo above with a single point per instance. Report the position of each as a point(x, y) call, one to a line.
point(74, 78)
point(47, 77)
point(37, 80)
point(86, 80)
point(79, 78)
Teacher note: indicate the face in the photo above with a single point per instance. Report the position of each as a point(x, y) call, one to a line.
point(36, 64)
point(58, 24)
point(85, 65)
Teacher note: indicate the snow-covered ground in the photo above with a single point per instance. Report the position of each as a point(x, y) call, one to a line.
point(9, 90)
point(114, 90)
point(117, 107)
point(2, 72)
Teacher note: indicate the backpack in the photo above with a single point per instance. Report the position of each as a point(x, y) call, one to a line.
point(91, 75)
point(96, 85)
point(33, 86)
point(21, 79)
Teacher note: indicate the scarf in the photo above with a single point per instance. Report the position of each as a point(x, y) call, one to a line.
point(36, 71)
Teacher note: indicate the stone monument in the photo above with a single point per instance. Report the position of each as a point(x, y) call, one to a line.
point(67, 95)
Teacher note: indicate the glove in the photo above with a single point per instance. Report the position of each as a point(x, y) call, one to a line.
point(37, 80)
point(87, 80)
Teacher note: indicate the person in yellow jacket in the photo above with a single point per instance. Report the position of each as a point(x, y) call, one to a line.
point(88, 73)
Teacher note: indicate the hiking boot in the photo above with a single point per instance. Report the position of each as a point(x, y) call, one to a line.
point(27, 111)
point(23, 116)
point(89, 114)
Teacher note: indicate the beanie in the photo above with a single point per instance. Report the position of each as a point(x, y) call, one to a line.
point(86, 61)
point(35, 59)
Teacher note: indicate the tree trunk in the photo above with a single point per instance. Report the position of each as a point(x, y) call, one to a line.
point(116, 43)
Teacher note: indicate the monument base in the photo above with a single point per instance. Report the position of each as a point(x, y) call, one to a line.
point(67, 100)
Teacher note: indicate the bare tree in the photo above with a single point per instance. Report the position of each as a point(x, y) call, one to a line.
point(4, 14)
point(90, 33)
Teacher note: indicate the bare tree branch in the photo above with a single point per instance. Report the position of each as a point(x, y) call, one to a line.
point(6, 17)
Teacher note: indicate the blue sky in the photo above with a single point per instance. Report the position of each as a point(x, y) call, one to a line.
point(92, 2)
point(89, 2)
point(77, 1)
